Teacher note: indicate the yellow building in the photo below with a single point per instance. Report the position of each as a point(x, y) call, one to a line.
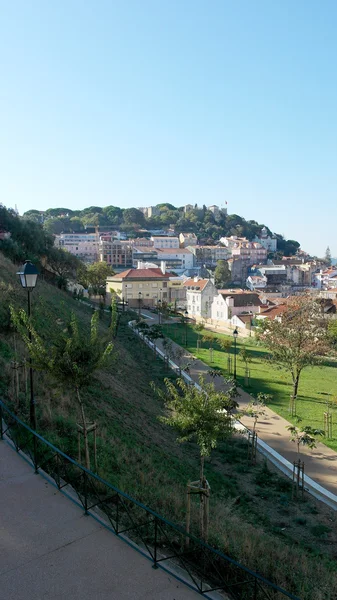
point(148, 285)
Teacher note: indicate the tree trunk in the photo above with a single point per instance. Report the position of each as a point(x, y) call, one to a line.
point(202, 461)
point(85, 432)
point(296, 379)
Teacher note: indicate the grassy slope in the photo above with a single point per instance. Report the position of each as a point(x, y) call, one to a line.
point(253, 517)
point(317, 384)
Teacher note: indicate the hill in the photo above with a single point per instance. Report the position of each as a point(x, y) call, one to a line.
point(207, 225)
point(253, 518)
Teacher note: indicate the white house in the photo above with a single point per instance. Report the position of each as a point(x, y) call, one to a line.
point(269, 243)
point(256, 282)
point(199, 297)
point(228, 304)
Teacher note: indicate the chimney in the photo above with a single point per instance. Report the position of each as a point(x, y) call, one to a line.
point(163, 266)
point(196, 278)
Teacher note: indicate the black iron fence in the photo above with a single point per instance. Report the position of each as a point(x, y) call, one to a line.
point(164, 543)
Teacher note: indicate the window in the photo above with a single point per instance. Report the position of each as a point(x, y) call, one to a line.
point(165, 284)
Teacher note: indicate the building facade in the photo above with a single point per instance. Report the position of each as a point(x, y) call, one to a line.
point(143, 286)
point(83, 245)
point(199, 297)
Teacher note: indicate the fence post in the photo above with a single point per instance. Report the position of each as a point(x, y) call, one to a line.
point(117, 514)
point(155, 566)
point(255, 589)
point(1, 430)
point(85, 493)
point(35, 453)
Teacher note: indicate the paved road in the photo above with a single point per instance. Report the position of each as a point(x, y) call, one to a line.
point(320, 463)
point(50, 551)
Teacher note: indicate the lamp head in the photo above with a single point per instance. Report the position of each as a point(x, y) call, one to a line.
point(235, 332)
point(28, 275)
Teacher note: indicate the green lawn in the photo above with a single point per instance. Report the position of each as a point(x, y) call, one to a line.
point(317, 384)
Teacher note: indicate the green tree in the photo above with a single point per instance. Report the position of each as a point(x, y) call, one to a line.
point(245, 356)
point(304, 436)
point(198, 414)
point(199, 328)
point(222, 274)
point(133, 217)
point(71, 358)
point(257, 407)
point(327, 257)
point(64, 264)
point(96, 276)
point(297, 341)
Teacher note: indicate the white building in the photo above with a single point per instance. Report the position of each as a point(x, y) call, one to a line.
point(176, 258)
point(255, 282)
point(199, 297)
point(165, 241)
point(83, 245)
point(269, 243)
point(226, 305)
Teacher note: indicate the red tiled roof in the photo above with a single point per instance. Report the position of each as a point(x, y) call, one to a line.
point(142, 274)
point(197, 285)
point(273, 311)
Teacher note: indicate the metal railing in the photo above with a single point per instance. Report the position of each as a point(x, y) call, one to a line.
point(198, 564)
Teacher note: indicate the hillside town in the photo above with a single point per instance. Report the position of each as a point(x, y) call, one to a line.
point(158, 267)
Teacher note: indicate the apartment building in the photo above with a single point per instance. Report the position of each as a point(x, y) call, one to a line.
point(267, 241)
point(145, 285)
point(83, 245)
point(187, 239)
point(165, 241)
point(209, 255)
point(177, 259)
point(251, 252)
point(117, 253)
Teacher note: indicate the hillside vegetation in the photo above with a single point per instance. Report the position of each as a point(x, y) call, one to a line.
point(253, 518)
point(203, 222)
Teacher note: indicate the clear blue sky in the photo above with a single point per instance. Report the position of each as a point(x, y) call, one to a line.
point(138, 102)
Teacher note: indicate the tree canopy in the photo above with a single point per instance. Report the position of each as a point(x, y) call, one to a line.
point(298, 340)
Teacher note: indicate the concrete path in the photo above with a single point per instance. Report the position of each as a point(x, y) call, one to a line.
point(49, 550)
point(320, 463)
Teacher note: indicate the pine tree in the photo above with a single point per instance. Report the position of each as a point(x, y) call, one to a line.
point(327, 256)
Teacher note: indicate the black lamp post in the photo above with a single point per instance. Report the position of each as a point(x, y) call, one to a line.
point(235, 335)
point(186, 316)
point(159, 311)
point(28, 278)
point(139, 303)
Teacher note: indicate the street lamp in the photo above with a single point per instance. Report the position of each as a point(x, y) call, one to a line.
point(186, 316)
point(235, 335)
point(28, 278)
point(159, 309)
point(139, 301)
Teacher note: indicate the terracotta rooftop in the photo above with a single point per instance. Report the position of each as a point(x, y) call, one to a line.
point(141, 274)
point(273, 311)
point(197, 285)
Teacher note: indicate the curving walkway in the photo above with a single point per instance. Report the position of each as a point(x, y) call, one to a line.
point(320, 463)
point(49, 550)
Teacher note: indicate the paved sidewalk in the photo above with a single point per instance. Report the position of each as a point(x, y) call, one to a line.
point(320, 464)
point(49, 550)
